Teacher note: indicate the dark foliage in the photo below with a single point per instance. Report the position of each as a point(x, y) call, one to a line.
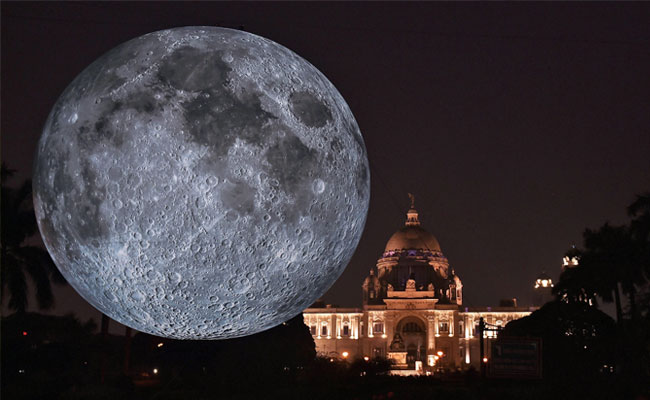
point(18, 258)
point(613, 265)
point(578, 340)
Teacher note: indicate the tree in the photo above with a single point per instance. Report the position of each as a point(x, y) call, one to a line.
point(615, 260)
point(610, 262)
point(20, 259)
point(639, 211)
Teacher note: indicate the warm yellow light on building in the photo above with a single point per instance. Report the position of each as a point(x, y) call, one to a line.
point(160, 344)
point(366, 358)
point(543, 283)
point(345, 354)
point(440, 353)
point(485, 359)
point(155, 371)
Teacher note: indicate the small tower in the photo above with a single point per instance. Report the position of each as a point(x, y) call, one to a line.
point(412, 213)
point(371, 289)
point(543, 289)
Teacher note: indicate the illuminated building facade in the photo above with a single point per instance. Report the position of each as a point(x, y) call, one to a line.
point(412, 311)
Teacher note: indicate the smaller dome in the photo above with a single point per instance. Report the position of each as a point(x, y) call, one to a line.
point(371, 280)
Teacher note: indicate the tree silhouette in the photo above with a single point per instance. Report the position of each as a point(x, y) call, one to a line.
point(639, 211)
point(611, 262)
point(20, 259)
point(615, 260)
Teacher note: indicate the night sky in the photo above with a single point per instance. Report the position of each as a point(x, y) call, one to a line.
point(516, 126)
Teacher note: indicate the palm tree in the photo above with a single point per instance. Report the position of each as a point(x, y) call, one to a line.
point(639, 211)
point(20, 259)
point(615, 259)
point(603, 264)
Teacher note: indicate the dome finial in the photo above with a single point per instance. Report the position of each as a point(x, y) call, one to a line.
point(412, 214)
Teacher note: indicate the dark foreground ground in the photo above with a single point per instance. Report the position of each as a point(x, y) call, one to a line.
point(45, 357)
point(375, 388)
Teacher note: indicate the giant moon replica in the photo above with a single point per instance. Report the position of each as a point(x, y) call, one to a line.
point(201, 183)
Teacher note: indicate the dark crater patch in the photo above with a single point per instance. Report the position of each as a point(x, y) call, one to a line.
point(105, 132)
point(143, 102)
point(216, 118)
point(193, 70)
point(291, 161)
point(309, 109)
point(240, 197)
point(335, 145)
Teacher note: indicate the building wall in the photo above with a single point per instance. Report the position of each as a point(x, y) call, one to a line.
point(446, 328)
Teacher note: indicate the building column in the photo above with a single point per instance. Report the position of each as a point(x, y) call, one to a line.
point(437, 325)
point(431, 326)
point(452, 322)
point(337, 331)
point(389, 329)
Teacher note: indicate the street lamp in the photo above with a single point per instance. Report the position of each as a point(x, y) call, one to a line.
point(345, 354)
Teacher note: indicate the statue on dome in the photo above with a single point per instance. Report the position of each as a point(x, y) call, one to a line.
point(430, 287)
point(390, 287)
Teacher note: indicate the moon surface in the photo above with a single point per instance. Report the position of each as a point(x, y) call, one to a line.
point(201, 183)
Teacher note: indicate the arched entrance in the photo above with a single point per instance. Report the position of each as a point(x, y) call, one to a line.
point(414, 335)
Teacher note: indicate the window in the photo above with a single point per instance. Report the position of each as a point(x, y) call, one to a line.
point(411, 327)
point(313, 330)
point(443, 327)
point(377, 352)
point(323, 330)
point(371, 294)
point(346, 330)
point(378, 327)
